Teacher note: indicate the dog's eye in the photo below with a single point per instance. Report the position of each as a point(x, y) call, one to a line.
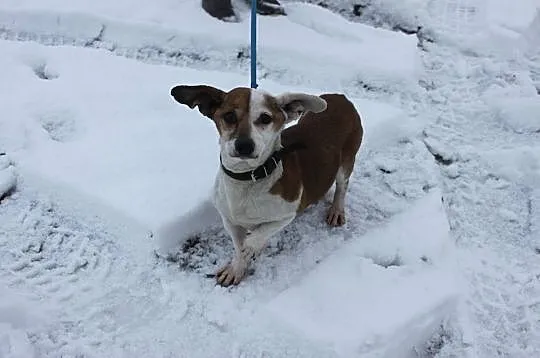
point(265, 118)
point(229, 117)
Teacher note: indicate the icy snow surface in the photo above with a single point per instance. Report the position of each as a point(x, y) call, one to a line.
point(97, 154)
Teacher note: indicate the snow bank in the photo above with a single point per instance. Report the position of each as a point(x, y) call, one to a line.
point(106, 127)
point(182, 32)
point(356, 306)
point(383, 45)
point(109, 130)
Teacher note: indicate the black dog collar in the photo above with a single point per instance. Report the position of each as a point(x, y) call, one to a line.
point(265, 169)
point(258, 173)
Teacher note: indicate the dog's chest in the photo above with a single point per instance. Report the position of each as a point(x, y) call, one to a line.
point(250, 204)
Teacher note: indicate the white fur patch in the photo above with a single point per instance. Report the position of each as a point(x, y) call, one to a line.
point(264, 136)
point(249, 204)
point(299, 103)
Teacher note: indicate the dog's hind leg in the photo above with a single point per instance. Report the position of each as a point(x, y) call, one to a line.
point(336, 212)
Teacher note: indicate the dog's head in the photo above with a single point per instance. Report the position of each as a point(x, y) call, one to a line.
point(249, 121)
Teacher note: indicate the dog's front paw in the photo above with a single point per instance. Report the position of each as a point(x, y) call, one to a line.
point(335, 217)
point(231, 274)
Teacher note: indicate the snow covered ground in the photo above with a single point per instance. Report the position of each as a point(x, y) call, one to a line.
point(93, 181)
point(179, 32)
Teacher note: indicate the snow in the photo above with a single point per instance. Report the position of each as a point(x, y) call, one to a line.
point(356, 305)
point(516, 164)
point(531, 32)
point(516, 18)
point(520, 114)
point(475, 25)
point(96, 131)
point(160, 32)
point(106, 241)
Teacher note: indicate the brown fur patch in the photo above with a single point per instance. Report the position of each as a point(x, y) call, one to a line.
point(278, 118)
point(289, 185)
point(332, 139)
point(236, 101)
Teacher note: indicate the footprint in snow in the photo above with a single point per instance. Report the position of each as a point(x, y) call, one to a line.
point(52, 253)
point(60, 125)
point(44, 72)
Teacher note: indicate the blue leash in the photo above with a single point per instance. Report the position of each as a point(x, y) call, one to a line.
point(254, 44)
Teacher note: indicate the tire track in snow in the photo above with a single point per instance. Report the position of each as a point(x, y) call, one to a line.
point(96, 290)
point(51, 252)
point(68, 262)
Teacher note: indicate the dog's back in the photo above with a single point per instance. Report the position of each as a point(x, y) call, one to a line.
point(330, 141)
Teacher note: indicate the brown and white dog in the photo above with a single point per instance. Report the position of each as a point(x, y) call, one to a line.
point(270, 173)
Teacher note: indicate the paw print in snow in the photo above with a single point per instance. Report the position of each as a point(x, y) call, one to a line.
point(60, 124)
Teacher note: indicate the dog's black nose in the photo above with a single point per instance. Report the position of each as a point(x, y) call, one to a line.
point(244, 146)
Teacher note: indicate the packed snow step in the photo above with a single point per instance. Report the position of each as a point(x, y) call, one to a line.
point(356, 307)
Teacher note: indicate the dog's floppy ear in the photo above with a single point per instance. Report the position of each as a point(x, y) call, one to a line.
point(294, 104)
point(207, 98)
